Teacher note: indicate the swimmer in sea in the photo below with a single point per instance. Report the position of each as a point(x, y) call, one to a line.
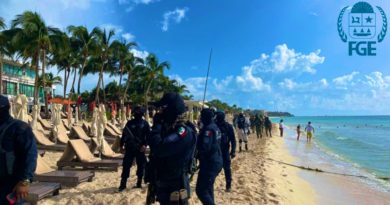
point(298, 131)
point(309, 131)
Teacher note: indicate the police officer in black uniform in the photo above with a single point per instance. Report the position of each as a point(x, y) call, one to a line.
point(172, 145)
point(18, 155)
point(228, 140)
point(133, 141)
point(210, 157)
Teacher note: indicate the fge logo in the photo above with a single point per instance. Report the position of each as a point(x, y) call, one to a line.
point(365, 28)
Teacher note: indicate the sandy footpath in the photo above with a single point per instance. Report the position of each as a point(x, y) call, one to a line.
point(256, 180)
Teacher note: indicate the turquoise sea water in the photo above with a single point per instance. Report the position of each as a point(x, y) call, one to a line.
point(354, 145)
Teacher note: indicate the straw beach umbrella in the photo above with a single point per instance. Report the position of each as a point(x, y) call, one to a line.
point(21, 108)
point(35, 116)
point(101, 126)
point(56, 120)
point(76, 117)
point(94, 122)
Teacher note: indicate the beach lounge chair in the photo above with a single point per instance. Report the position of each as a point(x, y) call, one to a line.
point(78, 133)
point(77, 154)
point(107, 151)
point(62, 136)
point(110, 132)
point(87, 127)
point(44, 173)
point(45, 123)
point(64, 115)
point(44, 143)
point(65, 122)
point(41, 190)
point(43, 130)
point(116, 144)
point(115, 128)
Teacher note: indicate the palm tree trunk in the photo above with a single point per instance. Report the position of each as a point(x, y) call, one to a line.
point(97, 91)
point(74, 80)
point(146, 96)
point(36, 85)
point(44, 82)
point(104, 91)
point(80, 76)
point(66, 77)
point(1, 73)
point(125, 93)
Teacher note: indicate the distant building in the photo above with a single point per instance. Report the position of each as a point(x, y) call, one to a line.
point(19, 79)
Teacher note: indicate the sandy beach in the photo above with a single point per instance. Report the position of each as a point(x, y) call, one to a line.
point(256, 180)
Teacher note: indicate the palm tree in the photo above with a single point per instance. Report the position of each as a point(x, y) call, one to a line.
point(104, 53)
point(133, 67)
point(50, 80)
point(36, 39)
point(122, 54)
point(86, 41)
point(2, 44)
point(153, 70)
point(63, 58)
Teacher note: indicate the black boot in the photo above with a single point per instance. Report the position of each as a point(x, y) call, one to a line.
point(240, 148)
point(122, 186)
point(139, 183)
point(228, 187)
point(246, 146)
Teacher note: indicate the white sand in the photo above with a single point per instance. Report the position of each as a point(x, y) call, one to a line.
point(256, 180)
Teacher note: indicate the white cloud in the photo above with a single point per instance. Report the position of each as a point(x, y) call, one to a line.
point(195, 85)
point(139, 54)
point(118, 29)
point(377, 80)
point(131, 4)
point(291, 85)
point(344, 80)
point(284, 60)
point(176, 16)
point(128, 37)
point(144, 1)
point(221, 85)
point(248, 82)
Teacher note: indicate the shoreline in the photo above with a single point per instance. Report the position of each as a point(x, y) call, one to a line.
point(333, 189)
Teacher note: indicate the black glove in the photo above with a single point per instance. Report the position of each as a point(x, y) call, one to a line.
point(232, 155)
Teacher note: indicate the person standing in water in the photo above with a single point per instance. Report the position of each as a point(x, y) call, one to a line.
point(298, 131)
point(309, 131)
point(281, 127)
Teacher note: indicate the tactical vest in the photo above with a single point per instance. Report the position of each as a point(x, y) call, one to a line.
point(7, 158)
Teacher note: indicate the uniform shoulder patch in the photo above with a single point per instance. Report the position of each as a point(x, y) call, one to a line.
point(182, 132)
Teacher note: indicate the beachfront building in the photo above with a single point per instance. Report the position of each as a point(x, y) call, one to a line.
point(19, 79)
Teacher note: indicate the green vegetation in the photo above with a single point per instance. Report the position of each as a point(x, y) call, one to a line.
point(78, 51)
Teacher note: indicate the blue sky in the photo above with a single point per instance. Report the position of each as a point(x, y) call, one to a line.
point(274, 55)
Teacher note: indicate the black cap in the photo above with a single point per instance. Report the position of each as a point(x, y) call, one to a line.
point(174, 103)
point(4, 101)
